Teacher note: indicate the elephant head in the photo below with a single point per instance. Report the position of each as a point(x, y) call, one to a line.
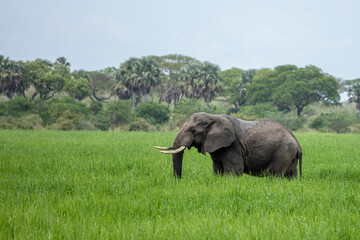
point(206, 132)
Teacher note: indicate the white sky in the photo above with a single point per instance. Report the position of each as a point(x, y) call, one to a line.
point(231, 33)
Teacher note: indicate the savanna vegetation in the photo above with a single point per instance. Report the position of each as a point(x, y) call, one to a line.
point(114, 185)
point(161, 92)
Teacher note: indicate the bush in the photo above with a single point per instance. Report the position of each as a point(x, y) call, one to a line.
point(139, 124)
point(30, 121)
point(16, 107)
point(119, 113)
point(154, 113)
point(68, 121)
point(101, 122)
point(191, 106)
point(57, 110)
point(96, 107)
point(290, 120)
point(260, 110)
point(7, 123)
point(338, 122)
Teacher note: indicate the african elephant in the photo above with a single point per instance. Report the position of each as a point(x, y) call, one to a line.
point(257, 148)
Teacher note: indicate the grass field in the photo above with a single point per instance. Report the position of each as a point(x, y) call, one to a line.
point(115, 185)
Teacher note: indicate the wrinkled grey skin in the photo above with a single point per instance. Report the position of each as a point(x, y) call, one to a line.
point(236, 146)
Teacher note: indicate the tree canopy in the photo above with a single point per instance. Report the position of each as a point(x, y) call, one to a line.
point(174, 77)
point(289, 87)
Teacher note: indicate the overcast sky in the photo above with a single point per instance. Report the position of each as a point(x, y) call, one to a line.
point(246, 34)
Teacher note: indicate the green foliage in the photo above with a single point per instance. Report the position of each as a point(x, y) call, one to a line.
point(12, 77)
point(338, 122)
point(138, 76)
point(29, 121)
point(48, 79)
point(68, 120)
point(16, 107)
point(200, 80)
point(191, 106)
point(290, 87)
point(60, 110)
point(96, 107)
point(154, 113)
point(236, 83)
point(112, 185)
point(290, 120)
point(101, 121)
point(139, 124)
point(77, 88)
point(257, 111)
point(119, 113)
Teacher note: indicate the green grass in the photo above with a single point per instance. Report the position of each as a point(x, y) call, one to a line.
point(115, 185)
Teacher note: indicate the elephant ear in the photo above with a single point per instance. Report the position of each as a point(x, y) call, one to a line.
point(220, 134)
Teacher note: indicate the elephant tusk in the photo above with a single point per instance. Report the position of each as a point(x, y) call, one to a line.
point(180, 149)
point(164, 148)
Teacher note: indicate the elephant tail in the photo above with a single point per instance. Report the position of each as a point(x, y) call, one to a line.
point(300, 163)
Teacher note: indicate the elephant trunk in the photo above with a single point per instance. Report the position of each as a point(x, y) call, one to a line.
point(177, 152)
point(177, 163)
point(177, 157)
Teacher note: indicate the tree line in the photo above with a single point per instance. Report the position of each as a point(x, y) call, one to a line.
point(174, 77)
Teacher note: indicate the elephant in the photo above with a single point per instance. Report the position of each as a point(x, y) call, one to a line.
point(257, 148)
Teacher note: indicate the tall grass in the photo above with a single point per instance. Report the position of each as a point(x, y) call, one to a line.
point(114, 185)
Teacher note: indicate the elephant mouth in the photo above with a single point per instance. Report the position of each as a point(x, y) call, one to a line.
point(180, 149)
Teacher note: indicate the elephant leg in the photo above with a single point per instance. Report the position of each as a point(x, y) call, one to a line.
point(233, 164)
point(218, 167)
point(233, 168)
point(230, 160)
point(280, 165)
point(292, 170)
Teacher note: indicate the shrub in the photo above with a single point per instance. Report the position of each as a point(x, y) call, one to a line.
point(338, 122)
point(119, 113)
point(154, 113)
point(260, 110)
point(55, 109)
point(68, 121)
point(290, 120)
point(3, 109)
point(30, 121)
point(191, 106)
point(96, 107)
point(16, 107)
point(7, 123)
point(101, 122)
point(139, 124)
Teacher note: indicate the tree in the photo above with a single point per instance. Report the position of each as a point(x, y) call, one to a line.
point(199, 80)
point(77, 88)
point(11, 77)
point(139, 76)
point(171, 65)
point(101, 83)
point(290, 87)
point(47, 78)
point(353, 89)
point(210, 75)
point(235, 85)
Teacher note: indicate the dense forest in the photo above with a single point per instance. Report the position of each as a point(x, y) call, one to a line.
point(161, 92)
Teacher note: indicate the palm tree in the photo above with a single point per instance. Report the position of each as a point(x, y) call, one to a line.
point(200, 80)
point(149, 75)
point(128, 77)
point(139, 76)
point(11, 77)
point(210, 75)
